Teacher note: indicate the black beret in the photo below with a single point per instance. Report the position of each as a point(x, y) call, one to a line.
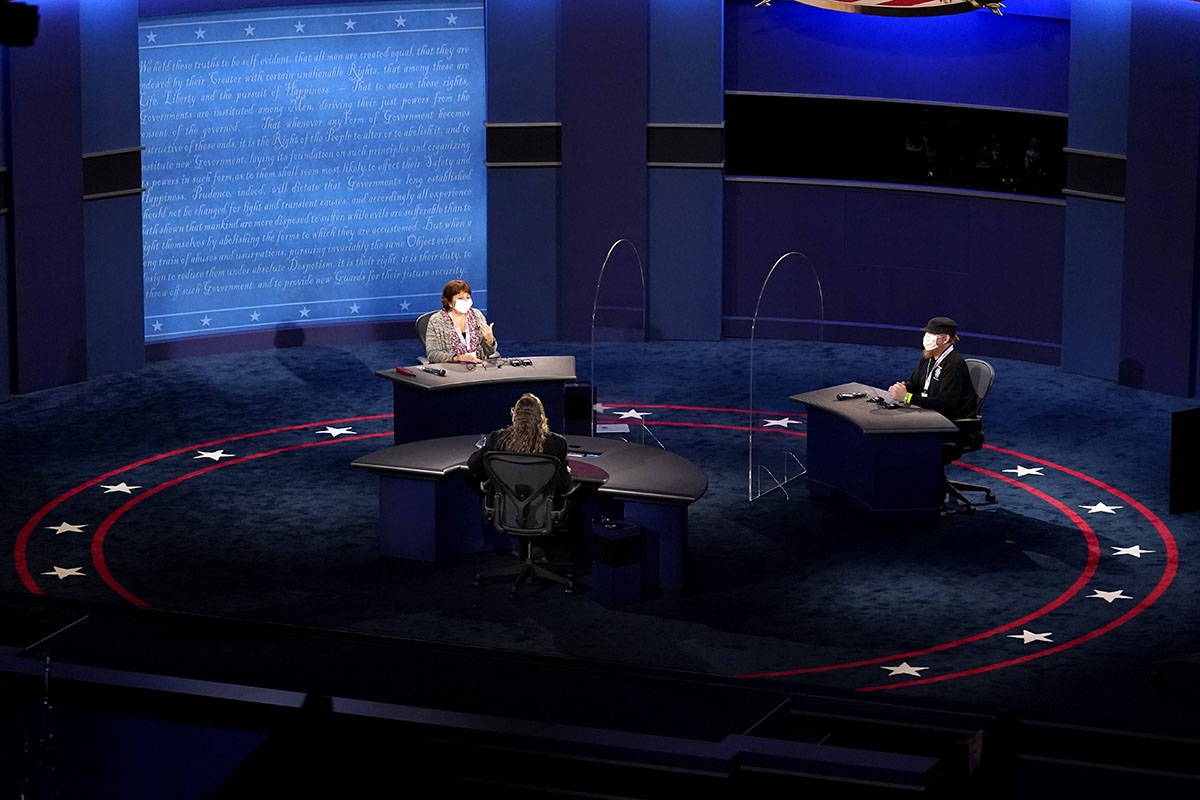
point(941, 325)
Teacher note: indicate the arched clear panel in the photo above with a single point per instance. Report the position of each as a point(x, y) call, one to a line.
point(618, 353)
point(787, 335)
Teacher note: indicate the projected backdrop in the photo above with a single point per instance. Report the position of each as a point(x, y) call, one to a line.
point(309, 165)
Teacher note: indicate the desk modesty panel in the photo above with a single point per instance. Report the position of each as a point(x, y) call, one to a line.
point(427, 405)
point(429, 511)
point(886, 462)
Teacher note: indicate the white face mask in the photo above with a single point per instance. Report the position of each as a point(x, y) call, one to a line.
point(462, 306)
point(929, 341)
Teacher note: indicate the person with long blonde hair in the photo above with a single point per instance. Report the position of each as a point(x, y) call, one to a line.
point(529, 433)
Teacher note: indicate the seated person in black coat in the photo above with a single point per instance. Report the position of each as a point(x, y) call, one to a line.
point(529, 433)
point(941, 380)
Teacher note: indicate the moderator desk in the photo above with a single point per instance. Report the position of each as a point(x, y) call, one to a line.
point(884, 461)
point(469, 400)
point(429, 510)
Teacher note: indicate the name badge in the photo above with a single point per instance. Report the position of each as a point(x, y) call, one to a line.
point(937, 373)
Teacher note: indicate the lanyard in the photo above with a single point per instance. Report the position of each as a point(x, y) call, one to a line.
point(932, 367)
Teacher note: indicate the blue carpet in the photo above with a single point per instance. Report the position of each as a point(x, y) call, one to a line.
point(779, 585)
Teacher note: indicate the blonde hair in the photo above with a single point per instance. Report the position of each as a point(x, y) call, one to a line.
point(529, 428)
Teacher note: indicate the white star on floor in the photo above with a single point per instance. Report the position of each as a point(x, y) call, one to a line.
point(903, 668)
point(156, 325)
point(633, 413)
point(67, 527)
point(1101, 508)
point(122, 487)
point(249, 29)
point(354, 308)
point(400, 21)
point(1108, 597)
point(1029, 636)
point(205, 320)
point(599, 408)
point(151, 37)
point(780, 423)
point(451, 20)
point(304, 311)
point(200, 33)
point(215, 455)
point(404, 305)
point(254, 315)
point(350, 24)
point(65, 572)
point(1023, 471)
point(336, 432)
point(1135, 551)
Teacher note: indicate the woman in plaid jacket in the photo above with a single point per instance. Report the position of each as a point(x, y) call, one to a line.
point(458, 332)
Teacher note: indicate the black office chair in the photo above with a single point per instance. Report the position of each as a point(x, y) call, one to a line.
point(422, 325)
point(519, 499)
point(970, 436)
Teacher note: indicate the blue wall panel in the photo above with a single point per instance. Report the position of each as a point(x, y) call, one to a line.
point(685, 205)
point(48, 326)
point(5, 352)
point(5, 220)
point(881, 285)
point(1099, 70)
point(1092, 284)
point(1094, 256)
point(523, 203)
point(684, 284)
point(1159, 311)
point(112, 227)
point(686, 61)
point(113, 284)
point(603, 106)
point(522, 60)
point(976, 58)
point(523, 252)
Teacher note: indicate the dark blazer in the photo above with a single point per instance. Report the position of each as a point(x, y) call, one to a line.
point(951, 392)
point(553, 445)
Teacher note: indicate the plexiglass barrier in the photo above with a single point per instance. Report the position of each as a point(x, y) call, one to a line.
point(789, 318)
point(618, 354)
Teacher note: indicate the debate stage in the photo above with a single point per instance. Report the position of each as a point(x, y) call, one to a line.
point(221, 486)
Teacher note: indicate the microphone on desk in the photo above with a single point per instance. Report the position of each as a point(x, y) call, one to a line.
point(435, 371)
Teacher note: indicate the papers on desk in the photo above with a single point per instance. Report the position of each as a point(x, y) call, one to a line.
point(612, 427)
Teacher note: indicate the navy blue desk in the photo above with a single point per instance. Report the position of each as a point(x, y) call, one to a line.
point(469, 400)
point(885, 462)
point(429, 511)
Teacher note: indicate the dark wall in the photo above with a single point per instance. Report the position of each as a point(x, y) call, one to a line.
point(889, 259)
point(1158, 321)
point(1015, 61)
point(1104, 284)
